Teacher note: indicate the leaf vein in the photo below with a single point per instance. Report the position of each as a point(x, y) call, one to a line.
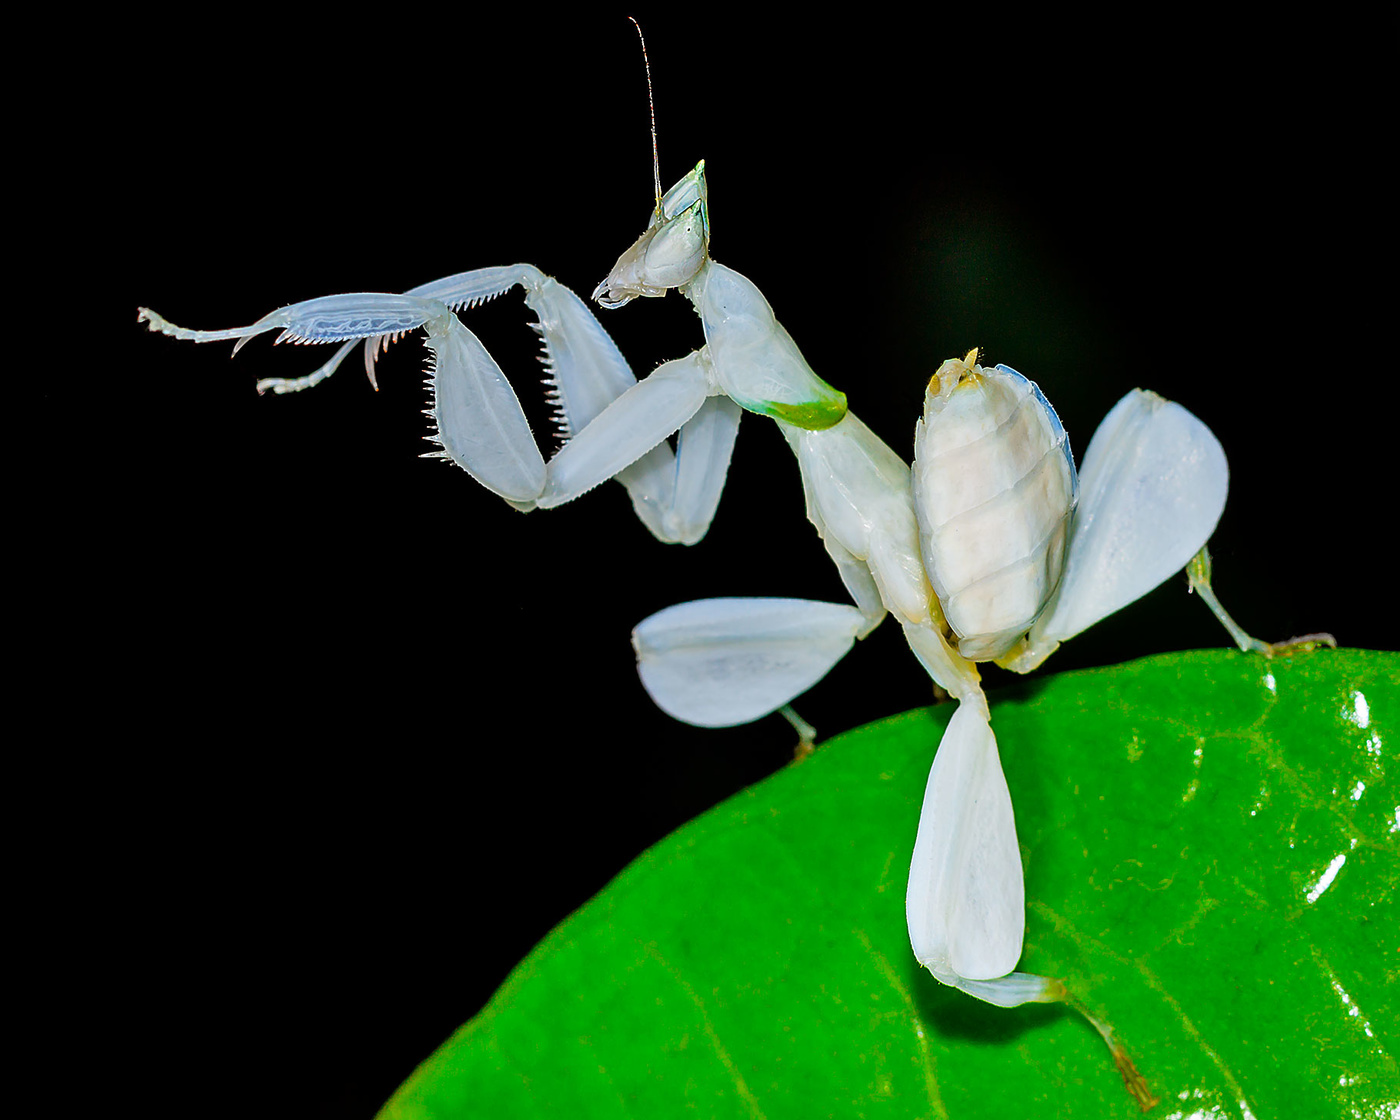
point(722, 1052)
point(921, 1030)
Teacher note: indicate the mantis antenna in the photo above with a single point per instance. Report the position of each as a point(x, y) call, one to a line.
point(651, 104)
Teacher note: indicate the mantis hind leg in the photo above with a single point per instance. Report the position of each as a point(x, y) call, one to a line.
point(1198, 572)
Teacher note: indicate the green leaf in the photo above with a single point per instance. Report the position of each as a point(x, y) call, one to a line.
point(1210, 843)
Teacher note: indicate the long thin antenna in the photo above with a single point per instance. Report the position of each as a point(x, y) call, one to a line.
point(651, 102)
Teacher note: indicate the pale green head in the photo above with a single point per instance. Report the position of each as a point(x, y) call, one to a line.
point(670, 252)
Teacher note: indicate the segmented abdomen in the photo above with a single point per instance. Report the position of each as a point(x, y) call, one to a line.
point(994, 490)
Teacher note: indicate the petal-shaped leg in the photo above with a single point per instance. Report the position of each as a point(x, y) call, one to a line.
point(587, 374)
point(721, 662)
point(480, 424)
point(676, 494)
point(1150, 494)
point(966, 899)
point(627, 429)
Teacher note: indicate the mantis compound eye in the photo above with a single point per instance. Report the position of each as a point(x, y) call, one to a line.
point(671, 251)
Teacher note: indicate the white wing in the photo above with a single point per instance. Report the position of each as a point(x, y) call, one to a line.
point(719, 662)
point(1151, 491)
point(966, 898)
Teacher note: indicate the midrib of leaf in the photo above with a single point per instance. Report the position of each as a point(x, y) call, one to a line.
point(1309, 798)
point(826, 843)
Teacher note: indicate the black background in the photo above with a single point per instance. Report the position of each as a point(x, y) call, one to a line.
point(371, 732)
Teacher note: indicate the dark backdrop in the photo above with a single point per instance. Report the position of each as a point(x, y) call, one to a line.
point(384, 731)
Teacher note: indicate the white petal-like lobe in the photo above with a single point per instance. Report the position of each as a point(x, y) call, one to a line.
point(626, 429)
point(1152, 488)
point(675, 495)
point(966, 898)
point(721, 662)
point(480, 423)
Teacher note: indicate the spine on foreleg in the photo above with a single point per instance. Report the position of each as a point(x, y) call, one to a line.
point(480, 424)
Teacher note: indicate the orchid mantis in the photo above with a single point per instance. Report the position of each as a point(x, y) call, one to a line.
point(990, 549)
point(1153, 486)
point(614, 425)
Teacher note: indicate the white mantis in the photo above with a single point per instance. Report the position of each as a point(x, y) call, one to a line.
point(1153, 486)
point(980, 554)
point(615, 426)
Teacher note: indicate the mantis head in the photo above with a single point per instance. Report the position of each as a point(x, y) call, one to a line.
point(672, 250)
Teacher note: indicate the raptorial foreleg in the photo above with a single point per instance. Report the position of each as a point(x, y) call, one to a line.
point(480, 423)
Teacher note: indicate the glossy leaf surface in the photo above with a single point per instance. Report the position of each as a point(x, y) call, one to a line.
point(1212, 853)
